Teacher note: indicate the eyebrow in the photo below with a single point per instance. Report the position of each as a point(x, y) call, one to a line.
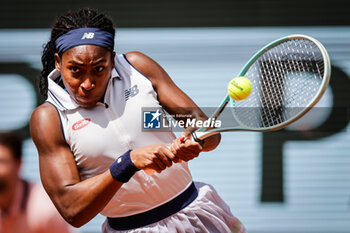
point(81, 64)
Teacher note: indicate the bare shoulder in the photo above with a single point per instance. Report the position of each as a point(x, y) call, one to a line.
point(144, 63)
point(45, 125)
point(137, 58)
point(43, 114)
point(148, 67)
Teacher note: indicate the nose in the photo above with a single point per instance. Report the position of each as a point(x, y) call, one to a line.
point(88, 84)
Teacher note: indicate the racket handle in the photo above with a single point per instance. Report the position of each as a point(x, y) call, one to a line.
point(150, 171)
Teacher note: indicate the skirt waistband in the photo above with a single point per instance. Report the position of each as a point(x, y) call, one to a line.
point(156, 214)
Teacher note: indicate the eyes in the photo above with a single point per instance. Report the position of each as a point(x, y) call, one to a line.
point(76, 69)
point(99, 68)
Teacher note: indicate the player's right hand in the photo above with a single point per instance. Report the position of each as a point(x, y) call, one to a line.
point(185, 149)
point(154, 157)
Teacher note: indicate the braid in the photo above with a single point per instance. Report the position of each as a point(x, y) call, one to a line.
point(85, 17)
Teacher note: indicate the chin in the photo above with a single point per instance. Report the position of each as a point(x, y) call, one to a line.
point(86, 104)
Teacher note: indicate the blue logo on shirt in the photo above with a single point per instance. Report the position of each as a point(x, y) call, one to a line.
point(152, 119)
point(131, 92)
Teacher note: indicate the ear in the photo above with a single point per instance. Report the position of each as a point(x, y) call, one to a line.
point(57, 62)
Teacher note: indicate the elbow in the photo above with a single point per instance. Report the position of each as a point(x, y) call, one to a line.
point(75, 221)
point(73, 218)
point(71, 211)
point(77, 225)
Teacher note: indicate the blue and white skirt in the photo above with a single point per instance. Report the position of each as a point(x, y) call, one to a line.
point(207, 213)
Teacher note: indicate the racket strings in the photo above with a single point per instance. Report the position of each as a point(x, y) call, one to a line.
point(285, 79)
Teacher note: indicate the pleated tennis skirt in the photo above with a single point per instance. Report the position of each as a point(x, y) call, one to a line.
point(208, 213)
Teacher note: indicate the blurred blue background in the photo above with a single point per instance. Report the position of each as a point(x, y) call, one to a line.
point(312, 189)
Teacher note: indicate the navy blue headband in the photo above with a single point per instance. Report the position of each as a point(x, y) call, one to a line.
point(84, 36)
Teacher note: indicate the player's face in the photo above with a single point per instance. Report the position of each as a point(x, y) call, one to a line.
point(85, 71)
point(9, 169)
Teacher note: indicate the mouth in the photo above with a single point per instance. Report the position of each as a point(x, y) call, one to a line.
point(86, 102)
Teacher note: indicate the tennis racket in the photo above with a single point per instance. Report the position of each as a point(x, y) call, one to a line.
point(288, 76)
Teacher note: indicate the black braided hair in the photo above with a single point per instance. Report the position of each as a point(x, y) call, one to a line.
point(86, 17)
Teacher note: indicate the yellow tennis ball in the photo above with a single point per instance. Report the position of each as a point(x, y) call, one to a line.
point(239, 88)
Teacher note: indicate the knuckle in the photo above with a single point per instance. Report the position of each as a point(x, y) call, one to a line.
point(152, 158)
point(158, 148)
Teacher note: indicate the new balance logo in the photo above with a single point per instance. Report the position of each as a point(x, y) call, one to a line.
point(88, 35)
point(131, 92)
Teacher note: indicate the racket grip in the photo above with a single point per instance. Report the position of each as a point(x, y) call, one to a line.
point(150, 171)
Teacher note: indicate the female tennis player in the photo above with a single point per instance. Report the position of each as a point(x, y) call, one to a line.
point(92, 149)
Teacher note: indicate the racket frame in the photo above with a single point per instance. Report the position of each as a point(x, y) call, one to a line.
point(204, 132)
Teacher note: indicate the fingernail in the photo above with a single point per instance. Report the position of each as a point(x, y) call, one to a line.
point(182, 139)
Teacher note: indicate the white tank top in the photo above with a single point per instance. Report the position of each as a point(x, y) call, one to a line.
point(99, 135)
